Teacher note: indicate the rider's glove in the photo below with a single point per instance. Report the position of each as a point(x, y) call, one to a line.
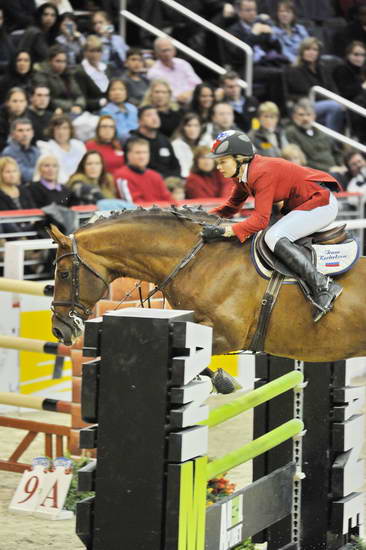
point(212, 233)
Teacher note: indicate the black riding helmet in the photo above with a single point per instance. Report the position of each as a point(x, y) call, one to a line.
point(231, 142)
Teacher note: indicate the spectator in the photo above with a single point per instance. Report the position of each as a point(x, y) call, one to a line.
point(355, 30)
point(178, 72)
point(91, 182)
point(317, 147)
point(107, 144)
point(269, 138)
point(310, 71)
point(13, 195)
point(245, 108)
point(187, 138)
point(70, 39)
point(293, 153)
point(289, 33)
point(135, 180)
point(162, 157)
point(267, 57)
point(114, 47)
point(7, 49)
point(134, 76)
point(204, 180)
point(203, 100)
point(63, 146)
point(18, 14)
point(93, 75)
point(66, 95)
point(39, 113)
point(19, 74)
point(21, 149)
point(62, 6)
point(354, 162)
point(351, 81)
point(16, 106)
point(123, 112)
point(358, 182)
point(46, 187)
point(160, 95)
point(222, 119)
point(40, 36)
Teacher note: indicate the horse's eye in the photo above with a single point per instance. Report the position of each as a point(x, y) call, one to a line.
point(63, 274)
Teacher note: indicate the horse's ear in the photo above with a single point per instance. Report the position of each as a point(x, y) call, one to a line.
point(58, 236)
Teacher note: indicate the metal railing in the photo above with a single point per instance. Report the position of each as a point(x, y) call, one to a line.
point(247, 83)
point(346, 103)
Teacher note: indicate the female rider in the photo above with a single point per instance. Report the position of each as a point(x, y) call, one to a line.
point(308, 205)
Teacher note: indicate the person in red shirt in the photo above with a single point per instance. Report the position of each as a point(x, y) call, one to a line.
point(308, 207)
point(135, 181)
point(204, 180)
point(107, 144)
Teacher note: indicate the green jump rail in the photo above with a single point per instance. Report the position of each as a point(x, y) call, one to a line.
point(254, 398)
point(255, 448)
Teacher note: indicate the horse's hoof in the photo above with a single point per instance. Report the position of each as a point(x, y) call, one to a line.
point(223, 382)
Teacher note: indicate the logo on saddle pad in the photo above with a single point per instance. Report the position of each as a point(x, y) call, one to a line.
point(331, 259)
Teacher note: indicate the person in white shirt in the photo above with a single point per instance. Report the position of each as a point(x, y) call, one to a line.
point(178, 72)
point(63, 146)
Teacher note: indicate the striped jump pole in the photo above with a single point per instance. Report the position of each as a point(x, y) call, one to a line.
point(26, 287)
point(38, 346)
point(34, 402)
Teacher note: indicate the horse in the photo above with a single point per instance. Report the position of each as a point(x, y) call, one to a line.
point(220, 284)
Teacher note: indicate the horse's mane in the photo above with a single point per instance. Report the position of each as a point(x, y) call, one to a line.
point(185, 213)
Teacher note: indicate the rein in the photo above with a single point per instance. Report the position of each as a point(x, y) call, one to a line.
point(74, 302)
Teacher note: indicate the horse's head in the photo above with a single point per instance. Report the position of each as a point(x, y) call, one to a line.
point(78, 286)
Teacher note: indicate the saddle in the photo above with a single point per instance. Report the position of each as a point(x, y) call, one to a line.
point(332, 251)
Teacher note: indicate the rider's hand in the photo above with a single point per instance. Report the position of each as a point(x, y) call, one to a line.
point(214, 233)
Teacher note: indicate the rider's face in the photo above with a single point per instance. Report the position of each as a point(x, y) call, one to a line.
point(227, 166)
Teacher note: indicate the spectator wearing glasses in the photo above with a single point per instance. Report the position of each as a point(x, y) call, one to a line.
point(107, 144)
point(46, 187)
point(93, 75)
point(351, 81)
point(160, 95)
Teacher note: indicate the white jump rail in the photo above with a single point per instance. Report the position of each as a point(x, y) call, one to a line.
point(346, 103)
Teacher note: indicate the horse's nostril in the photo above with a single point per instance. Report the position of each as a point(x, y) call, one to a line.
point(58, 333)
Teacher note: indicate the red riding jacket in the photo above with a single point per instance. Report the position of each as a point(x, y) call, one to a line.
point(271, 180)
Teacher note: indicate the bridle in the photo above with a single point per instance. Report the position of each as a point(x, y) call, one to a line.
point(77, 317)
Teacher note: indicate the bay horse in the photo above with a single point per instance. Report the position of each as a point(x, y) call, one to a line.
point(220, 284)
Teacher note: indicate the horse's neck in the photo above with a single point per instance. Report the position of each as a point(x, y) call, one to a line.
point(138, 250)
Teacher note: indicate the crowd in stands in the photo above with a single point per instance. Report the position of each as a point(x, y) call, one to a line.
point(87, 116)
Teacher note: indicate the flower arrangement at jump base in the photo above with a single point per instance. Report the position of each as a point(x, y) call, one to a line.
point(218, 488)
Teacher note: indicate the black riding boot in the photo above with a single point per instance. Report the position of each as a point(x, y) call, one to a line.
point(323, 289)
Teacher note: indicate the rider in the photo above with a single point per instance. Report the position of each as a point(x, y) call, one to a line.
point(308, 207)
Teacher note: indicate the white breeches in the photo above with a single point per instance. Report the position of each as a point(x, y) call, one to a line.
point(299, 223)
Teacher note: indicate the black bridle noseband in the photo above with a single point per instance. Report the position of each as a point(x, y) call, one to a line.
point(74, 303)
